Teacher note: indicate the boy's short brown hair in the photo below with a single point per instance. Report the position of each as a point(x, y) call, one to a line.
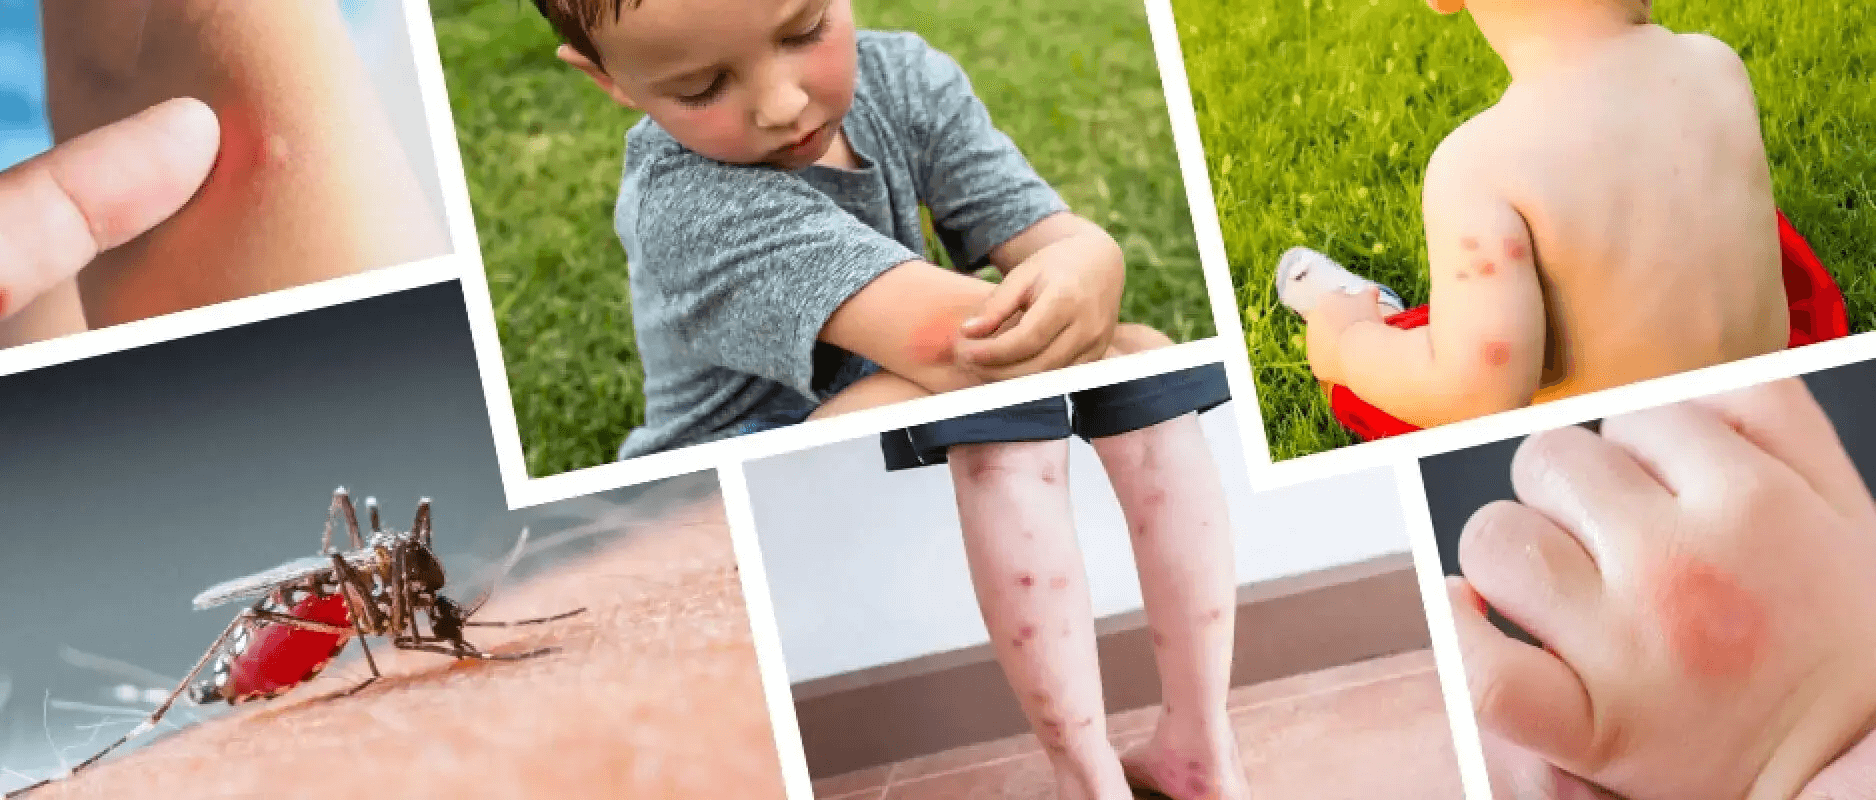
point(574, 20)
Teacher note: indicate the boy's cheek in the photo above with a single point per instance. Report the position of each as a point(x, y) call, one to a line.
point(710, 132)
point(832, 72)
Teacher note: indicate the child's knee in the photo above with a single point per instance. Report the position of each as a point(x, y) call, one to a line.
point(1131, 338)
point(1041, 462)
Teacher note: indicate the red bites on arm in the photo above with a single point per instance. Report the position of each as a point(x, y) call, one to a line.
point(1469, 242)
point(1712, 624)
point(1515, 249)
point(1486, 267)
point(1496, 353)
point(935, 340)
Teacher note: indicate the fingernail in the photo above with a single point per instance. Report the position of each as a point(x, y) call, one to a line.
point(970, 323)
point(186, 117)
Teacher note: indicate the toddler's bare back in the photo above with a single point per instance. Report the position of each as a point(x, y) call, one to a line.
point(1641, 173)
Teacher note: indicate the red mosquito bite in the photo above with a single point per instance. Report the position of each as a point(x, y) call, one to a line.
point(309, 609)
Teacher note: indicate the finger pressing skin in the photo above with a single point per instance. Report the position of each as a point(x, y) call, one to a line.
point(1519, 692)
point(1689, 449)
point(1588, 486)
point(98, 191)
point(1534, 573)
point(1784, 420)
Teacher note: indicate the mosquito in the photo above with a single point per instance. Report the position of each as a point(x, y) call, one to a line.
point(309, 609)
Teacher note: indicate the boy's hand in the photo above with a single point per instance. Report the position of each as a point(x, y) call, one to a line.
point(1334, 313)
point(1056, 308)
point(1700, 575)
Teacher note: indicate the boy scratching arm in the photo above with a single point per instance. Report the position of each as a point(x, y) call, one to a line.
point(942, 331)
point(1484, 351)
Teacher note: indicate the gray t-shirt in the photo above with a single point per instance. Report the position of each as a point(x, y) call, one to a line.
point(735, 269)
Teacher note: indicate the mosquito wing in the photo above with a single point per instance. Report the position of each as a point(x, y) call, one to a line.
point(260, 583)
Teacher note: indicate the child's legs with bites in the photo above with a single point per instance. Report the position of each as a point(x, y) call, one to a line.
point(1026, 565)
point(1178, 522)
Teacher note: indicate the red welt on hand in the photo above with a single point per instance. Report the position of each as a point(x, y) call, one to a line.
point(1712, 624)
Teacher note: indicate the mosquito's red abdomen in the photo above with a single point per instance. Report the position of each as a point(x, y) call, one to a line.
point(281, 657)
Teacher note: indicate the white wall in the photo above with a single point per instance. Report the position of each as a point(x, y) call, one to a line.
point(867, 567)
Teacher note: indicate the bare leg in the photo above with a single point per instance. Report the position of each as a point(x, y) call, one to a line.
point(1177, 519)
point(1019, 537)
point(872, 391)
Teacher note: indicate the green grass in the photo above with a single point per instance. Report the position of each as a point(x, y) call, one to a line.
point(1318, 117)
point(1075, 87)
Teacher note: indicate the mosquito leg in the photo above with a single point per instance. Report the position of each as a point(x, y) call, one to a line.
point(508, 563)
point(401, 614)
point(357, 596)
point(422, 524)
point(149, 723)
point(351, 518)
point(332, 511)
point(519, 622)
point(471, 652)
point(21, 792)
point(299, 622)
point(369, 662)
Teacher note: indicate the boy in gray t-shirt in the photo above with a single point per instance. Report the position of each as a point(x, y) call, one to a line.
point(770, 210)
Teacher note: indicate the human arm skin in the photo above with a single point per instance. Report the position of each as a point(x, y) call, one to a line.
point(311, 182)
point(911, 320)
point(1483, 350)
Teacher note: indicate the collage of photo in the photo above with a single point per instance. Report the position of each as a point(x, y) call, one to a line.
point(890, 400)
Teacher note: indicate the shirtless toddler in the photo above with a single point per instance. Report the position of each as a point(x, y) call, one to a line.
point(1609, 220)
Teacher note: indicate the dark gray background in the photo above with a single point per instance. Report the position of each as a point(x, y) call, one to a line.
point(129, 482)
point(1460, 482)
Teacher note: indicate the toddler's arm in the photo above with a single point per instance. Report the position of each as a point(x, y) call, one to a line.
point(1483, 350)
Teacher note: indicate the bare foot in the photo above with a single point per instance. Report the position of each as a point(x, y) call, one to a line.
point(1187, 773)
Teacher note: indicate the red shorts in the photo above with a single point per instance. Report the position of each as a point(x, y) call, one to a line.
point(1817, 314)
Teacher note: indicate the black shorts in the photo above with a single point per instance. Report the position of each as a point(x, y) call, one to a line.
point(1099, 412)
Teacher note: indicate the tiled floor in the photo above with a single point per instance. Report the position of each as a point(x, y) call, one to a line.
point(1361, 731)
